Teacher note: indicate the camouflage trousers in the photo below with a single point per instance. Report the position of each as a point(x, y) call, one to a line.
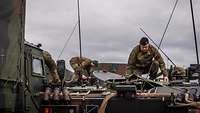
point(151, 69)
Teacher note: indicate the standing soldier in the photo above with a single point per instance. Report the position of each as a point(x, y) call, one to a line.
point(144, 59)
point(82, 70)
point(52, 67)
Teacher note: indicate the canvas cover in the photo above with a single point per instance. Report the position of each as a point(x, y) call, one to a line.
point(11, 38)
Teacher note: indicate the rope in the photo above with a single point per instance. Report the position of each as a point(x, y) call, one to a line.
point(165, 29)
point(168, 23)
point(68, 39)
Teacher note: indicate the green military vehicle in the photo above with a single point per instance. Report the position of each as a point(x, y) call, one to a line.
point(23, 72)
point(25, 88)
point(24, 79)
point(22, 67)
point(12, 79)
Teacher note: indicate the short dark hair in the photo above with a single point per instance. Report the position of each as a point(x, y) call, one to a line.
point(144, 41)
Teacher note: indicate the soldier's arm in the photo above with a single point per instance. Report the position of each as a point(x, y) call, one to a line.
point(131, 61)
point(74, 63)
point(52, 66)
point(162, 66)
point(86, 62)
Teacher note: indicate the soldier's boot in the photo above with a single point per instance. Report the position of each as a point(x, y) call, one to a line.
point(154, 70)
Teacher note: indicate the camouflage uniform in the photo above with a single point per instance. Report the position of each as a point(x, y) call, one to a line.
point(179, 71)
point(145, 62)
point(52, 66)
point(81, 66)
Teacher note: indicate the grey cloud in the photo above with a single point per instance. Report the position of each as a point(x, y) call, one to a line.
point(110, 29)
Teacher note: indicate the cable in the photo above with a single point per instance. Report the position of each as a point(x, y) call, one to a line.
point(70, 36)
point(165, 30)
point(168, 23)
point(159, 49)
point(157, 46)
point(166, 27)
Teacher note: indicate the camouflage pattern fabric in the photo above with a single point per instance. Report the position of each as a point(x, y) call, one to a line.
point(52, 67)
point(81, 66)
point(140, 62)
point(179, 71)
point(77, 62)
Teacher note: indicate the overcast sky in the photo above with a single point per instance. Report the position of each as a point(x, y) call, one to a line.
point(110, 28)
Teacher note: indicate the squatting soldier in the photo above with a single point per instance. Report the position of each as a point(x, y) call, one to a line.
point(52, 67)
point(144, 59)
point(82, 70)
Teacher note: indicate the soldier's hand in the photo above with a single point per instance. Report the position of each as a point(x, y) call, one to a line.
point(165, 79)
point(165, 76)
point(84, 77)
point(127, 76)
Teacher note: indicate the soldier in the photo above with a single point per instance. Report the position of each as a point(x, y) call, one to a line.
point(52, 67)
point(144, 59)
point(179, 71)
point(82, 70)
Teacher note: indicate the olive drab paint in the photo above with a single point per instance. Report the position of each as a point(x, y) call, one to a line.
point(11, 51)
point(12, 38)
point(5, 13)
point(23, 72)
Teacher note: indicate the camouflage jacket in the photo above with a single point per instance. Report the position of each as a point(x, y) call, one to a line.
point(139, 59)
point(77, 62)
point(51, 66)
point(81, 66)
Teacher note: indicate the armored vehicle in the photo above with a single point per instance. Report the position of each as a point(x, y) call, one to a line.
point(24, 75)
point(25, 85)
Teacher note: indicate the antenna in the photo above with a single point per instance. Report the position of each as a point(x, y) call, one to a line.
point(79, 29)
point(163, 35)
point(195, 37)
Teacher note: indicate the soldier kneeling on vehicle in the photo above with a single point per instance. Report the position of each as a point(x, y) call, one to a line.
point(146, 59)
point(83, 68)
